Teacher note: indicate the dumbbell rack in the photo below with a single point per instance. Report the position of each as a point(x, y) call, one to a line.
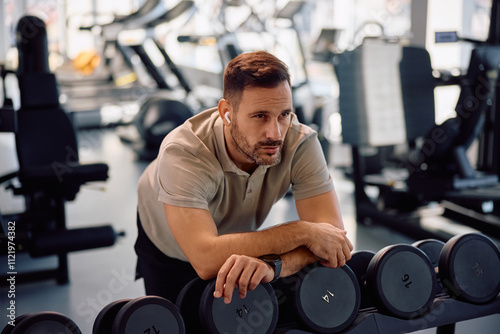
point(444, 314)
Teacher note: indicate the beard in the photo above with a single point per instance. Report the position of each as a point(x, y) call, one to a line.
point(254, 152)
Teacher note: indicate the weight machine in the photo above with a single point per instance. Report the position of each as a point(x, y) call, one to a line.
point(50, 173)
point(386, 102)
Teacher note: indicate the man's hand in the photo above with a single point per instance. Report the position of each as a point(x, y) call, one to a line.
point(330, 244)
point(243, 272)
point(326, 237)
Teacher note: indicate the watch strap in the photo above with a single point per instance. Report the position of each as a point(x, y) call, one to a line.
point(275, 262)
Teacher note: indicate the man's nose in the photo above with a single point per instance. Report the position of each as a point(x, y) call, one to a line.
point(273, 130)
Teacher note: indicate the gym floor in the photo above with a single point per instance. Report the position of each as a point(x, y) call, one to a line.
point(100, 276)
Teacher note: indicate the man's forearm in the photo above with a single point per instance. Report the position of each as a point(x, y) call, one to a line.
point(207, 251)
point(295, 260)
point(280, 239)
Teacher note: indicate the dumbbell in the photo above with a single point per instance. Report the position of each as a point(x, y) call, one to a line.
point(318, 299)
point(468, 266)
point(203, 313)
point(188, 303)
point(398, 280)
point(149, 314)
point(290, 331)
point(432, 248)
point(9, 327)
point(359, 263)
point(42, 323)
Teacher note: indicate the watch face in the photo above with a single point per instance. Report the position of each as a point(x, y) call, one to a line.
point(271, 257)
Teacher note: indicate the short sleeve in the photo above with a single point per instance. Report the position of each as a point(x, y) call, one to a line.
point(310, 175)
point(186, 178)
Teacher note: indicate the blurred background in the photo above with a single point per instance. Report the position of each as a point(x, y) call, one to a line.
point(401, 92)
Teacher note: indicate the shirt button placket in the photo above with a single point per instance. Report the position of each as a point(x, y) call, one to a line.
point(249, 189)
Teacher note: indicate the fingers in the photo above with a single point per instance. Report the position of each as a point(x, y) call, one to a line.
point(336, 261)
point(339, 255)
point(229, 274)
point(251, 276)
point(342, 260)
point(220, 283)
point(346, 250)
point(242, 272)
point(331, 245)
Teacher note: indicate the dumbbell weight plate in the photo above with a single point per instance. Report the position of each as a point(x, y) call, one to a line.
point(359, 262)
point(188, 303)
point(8, 328)
point(46, 323)
point(256, 313)
point(149, 313)
point(469, 267)
point(290, 331)
point(432, 248)
point(402, 281)
point(103, 323)
point(327, 300)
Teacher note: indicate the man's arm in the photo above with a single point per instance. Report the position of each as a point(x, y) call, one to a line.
point(246, 272)
point(321, 208)
point(196, 234)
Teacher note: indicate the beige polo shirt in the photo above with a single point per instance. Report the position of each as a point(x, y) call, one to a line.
point(194, 170)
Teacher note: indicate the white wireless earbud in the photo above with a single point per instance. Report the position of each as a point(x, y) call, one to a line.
point(226, 116)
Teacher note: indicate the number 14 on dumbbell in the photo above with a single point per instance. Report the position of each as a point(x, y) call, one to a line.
point(151, 330)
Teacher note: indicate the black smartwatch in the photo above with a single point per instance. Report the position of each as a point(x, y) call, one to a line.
point(274, 261)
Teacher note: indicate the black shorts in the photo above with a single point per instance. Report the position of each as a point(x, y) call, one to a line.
point(163, 276)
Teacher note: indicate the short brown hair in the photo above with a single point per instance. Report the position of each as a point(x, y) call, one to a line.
point(252, 69)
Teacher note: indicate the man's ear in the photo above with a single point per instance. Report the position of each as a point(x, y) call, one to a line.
point(225, 111)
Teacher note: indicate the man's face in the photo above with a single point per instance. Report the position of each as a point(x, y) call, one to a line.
point(259, 126)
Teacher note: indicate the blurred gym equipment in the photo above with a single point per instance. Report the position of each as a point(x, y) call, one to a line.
point(127, 81)
point(116, 78)
point(386, 103)
point(162, 106)
point(50, 173)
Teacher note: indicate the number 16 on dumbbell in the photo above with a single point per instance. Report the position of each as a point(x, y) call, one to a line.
point(398, 280)
point(402, 280)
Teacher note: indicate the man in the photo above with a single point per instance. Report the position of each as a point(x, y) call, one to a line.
point(216, 178)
